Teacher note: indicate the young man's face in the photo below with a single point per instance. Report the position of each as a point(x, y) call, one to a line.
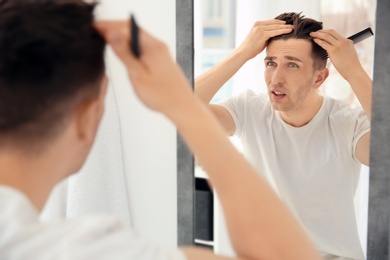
point(289, 74)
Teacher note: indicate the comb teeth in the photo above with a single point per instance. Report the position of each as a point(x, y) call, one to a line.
point(324, 55)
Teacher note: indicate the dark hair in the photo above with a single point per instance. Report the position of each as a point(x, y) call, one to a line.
point(302, 28)
point(50, 54)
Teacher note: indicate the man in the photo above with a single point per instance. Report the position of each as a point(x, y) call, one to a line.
point(309, 147)
point(52, 89)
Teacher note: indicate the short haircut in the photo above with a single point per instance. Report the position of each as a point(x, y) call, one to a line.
point(302, 28)
point(50, 55)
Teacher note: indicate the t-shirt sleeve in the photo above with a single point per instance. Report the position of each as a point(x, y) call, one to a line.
point(236, 107)
point(362, 126)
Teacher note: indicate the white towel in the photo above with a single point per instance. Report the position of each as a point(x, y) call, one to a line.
point(100, 186)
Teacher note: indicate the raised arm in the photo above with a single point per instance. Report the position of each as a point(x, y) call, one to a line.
point(260, 226)
point(207, 85)
point(344, 57)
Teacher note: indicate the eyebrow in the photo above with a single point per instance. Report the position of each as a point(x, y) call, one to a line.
point(287, 57)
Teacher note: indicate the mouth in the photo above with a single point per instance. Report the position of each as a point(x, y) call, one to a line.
point(277, 95)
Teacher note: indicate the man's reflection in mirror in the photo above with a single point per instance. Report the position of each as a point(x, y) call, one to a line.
point(310, 147)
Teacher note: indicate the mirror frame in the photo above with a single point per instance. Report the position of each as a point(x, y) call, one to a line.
point(379, 191)
point(185, 160)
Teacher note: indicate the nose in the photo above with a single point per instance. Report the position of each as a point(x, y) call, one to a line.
point(277, 76)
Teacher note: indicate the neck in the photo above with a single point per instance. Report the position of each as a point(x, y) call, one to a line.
point(30, 174)
point(303, 115)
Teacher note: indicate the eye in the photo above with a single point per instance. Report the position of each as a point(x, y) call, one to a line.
point(270, 64)
point(293, 65)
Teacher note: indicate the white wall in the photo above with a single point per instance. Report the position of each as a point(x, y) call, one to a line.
point(149, 140)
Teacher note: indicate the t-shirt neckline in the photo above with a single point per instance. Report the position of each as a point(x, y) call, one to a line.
point(311, 122)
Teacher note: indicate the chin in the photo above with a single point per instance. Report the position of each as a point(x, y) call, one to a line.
point(277, 107)
point(281, 108)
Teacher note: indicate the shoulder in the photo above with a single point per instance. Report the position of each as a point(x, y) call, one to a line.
point(89, 237)
point(344, 118)
point(251, 95)
point(340, 110)
point(252, 99)
point(244, 101)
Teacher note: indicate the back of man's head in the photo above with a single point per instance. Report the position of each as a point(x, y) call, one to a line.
point(50, 57)
point(302, 28)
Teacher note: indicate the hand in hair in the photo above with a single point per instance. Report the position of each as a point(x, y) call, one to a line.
point(155, 77)
point(256, 41)
point(341, 52)
point(345, 59)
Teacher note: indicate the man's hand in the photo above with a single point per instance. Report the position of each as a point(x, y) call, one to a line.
point(341, 52)
point(256, 41)
point(155, 77)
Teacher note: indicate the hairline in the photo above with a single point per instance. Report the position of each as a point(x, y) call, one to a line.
point(312, 53)
point(35, 145)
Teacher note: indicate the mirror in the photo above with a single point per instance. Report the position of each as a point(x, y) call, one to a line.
point(219, 28)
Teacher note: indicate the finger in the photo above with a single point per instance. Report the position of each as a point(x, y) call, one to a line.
point(117, 35)
point(333, 33)
point(277, 27)
point(278, 32)
point(324, 36)
point(105, 24)
point(324, 44)
point(274, 21)
point(269, 22)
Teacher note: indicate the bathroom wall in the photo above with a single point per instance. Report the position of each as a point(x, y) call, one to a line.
point(149, 140)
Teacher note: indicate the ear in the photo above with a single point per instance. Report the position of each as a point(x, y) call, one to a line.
point(320, 76)
point(89, 114)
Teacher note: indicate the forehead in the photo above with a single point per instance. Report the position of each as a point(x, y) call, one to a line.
point(299, 48)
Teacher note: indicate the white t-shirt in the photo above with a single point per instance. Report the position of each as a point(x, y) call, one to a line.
point(312, 168)
point(23, 236)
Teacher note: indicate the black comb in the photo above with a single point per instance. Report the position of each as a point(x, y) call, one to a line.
point(357, 37)
point(134, 42)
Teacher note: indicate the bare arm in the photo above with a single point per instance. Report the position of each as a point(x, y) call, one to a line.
point(207, 85)
point(344, 57)
point(259, 224)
